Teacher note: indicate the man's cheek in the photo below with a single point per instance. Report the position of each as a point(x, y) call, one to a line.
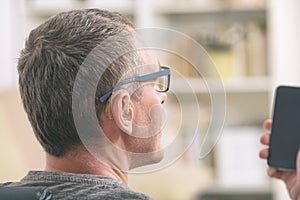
point(151, 124)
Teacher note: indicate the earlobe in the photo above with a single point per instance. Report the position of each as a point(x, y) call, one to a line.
point(122, 113)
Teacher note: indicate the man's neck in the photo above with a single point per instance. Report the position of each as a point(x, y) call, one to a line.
point(83, 164)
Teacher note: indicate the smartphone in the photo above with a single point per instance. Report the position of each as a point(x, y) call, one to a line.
point(285, 131)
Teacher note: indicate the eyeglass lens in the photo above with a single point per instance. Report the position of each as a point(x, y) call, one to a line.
point(161, 83)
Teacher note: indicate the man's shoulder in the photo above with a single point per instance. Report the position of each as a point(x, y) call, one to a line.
point(128, 194)
point(10, 191)
point(123, 195)
point(5, 184)
point(78, 186)
point(77, 192)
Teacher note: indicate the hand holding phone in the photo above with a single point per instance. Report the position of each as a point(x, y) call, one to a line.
point(285, 131)
point(290, 178)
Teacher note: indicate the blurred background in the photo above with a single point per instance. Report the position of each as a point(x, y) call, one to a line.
point(254, 45)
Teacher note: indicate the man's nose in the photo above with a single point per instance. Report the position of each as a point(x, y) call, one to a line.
point(163, 97)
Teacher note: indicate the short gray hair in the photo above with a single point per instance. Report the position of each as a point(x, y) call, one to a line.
point(48, 66)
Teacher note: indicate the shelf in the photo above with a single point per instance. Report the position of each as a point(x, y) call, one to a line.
point(46, 8)
point(184, 14)
point(234, 85)
point(185, 8)
point(49, 7)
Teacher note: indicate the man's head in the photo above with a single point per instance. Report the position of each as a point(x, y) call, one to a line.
point(48, 66)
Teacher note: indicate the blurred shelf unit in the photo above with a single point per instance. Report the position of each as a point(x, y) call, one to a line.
point(234, 85)
point(234, 37)
point(222, 13)
point(46, 8)
point(173, 9)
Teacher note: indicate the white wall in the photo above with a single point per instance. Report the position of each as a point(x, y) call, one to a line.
point(284, 41)
point(11, 42)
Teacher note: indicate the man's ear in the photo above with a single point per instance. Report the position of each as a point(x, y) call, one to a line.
point(122, 111)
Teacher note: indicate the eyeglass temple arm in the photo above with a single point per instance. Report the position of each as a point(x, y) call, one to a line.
point(166, 71)
point(106, 96)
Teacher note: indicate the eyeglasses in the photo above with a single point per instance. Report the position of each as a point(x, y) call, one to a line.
point(161, 81)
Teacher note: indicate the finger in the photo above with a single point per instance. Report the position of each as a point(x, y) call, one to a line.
point(267, 125)
point(274, 173)
point(265, 139)
point(264, 153)
point(298, 165)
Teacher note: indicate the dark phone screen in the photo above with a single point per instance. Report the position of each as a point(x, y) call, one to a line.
point(285, 132)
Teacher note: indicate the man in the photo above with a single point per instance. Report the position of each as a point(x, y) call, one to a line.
point(58, 67)
point(290, 178)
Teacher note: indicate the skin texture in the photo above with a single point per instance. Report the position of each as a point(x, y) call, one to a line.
point(291, 179)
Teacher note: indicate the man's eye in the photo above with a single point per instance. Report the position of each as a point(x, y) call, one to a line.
point(156, 87)
point(158, 84)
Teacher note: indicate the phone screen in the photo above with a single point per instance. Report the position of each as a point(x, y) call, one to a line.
point(285, 131)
